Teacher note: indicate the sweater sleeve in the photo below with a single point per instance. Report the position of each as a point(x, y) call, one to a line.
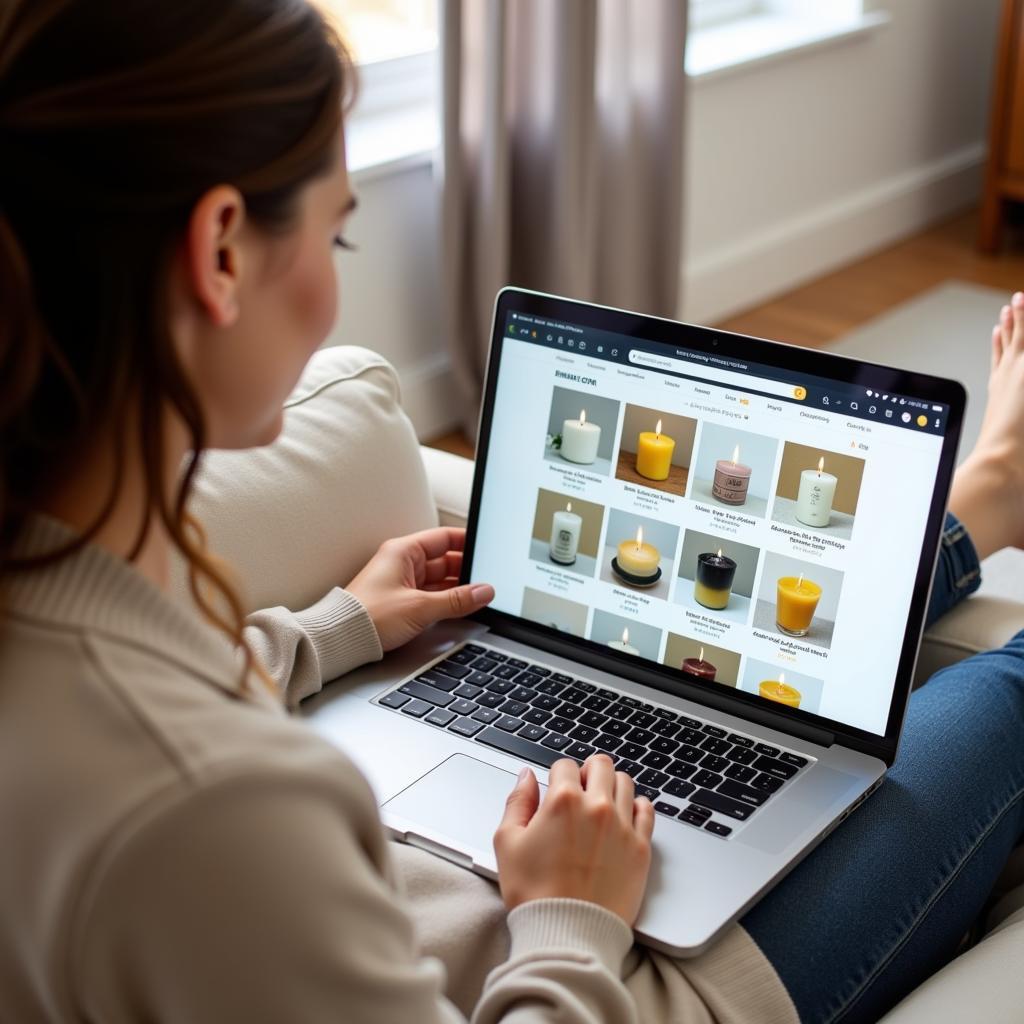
point(303, 650)
point(260, 899)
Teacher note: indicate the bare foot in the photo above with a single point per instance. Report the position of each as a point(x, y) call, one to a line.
point(988, 489)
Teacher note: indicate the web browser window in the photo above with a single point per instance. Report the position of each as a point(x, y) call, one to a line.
point(747, 526)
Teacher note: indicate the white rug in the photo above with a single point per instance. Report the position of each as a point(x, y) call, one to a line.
point(946, 331)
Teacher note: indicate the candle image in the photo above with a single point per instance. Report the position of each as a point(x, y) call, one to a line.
point(623, 644)
point(565, 536)
point(700, 667)
point(780, 691)
point(637, 562)
point(814, 500)
point(731, 480)
point(580, 440)
point(713, 583)
point(796, 603)
point(654, 454)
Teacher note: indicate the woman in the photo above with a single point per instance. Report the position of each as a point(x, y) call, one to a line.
point(172, 183)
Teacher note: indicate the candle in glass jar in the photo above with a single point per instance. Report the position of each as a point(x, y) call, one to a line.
point(700, 667)
point(654, 454)
point(580, 440)
point(713, 583)
point(623, 644)
point(815, 497)
point(565, 536)
point(637, 558)
point(731, 480)
point(780, 691)
point(796, 603)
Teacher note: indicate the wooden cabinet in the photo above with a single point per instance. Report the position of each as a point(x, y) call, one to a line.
point(1004, 175)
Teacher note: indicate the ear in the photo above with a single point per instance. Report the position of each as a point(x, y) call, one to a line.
point(214, 253)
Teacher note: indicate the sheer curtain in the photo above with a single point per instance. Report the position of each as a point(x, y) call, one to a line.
point(561, 161)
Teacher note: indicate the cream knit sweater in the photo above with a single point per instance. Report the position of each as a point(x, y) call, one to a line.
point(175, 852)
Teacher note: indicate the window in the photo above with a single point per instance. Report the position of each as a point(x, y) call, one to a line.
point(381, 30)
point(704, 13)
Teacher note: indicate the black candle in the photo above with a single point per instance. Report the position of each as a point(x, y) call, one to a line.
point(714, 580)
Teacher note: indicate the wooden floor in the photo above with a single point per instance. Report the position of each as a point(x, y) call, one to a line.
point(824, 309)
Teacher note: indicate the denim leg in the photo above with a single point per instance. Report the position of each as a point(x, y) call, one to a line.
point(887, 898)
point(957, 573)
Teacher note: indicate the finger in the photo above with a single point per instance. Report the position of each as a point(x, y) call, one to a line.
point(1018, 318)
point(625, 792)
point(453, 602)
point(521, 803)
point(438, 541)
point(1006, 324)
point(997, 346)
point(643, 817)
point(445, 566)
point(598, 776)
point(564, 773)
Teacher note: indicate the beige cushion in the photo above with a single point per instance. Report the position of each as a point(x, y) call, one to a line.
point(305, 513)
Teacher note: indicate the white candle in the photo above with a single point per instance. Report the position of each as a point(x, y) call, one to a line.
point(565, 536)
point(580, 440)
point(623, 644)
point(814, 501)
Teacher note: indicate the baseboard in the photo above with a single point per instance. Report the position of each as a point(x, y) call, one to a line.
point(718, 284)
point(430, 396)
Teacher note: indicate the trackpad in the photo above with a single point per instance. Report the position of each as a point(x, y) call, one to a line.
point(462, 799)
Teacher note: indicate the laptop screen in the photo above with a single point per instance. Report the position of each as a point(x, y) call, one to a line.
point(739, 524)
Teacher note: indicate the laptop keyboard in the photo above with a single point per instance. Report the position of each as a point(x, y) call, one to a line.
point(692, 771)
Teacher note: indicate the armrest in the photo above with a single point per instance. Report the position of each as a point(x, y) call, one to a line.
point(450, 478)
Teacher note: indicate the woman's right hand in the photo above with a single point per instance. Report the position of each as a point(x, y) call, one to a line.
point(589, 840)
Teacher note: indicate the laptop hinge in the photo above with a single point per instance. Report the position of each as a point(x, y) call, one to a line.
point(638, 674)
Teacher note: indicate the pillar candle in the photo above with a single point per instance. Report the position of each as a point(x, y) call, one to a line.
point(700, 667)
point(638, 558)
point(780, 691)
point(565, 536)
point(797, 602)
point(814, 499)
point(713, 582)
point(623, 644)
point(731, 480)
point(580, 440)
point(654, 454)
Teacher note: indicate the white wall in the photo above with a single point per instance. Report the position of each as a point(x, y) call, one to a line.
point(793, 168)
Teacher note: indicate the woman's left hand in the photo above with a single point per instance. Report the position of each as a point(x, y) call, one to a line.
point(413, 582)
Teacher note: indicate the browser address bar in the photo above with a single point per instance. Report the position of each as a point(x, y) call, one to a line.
point(738, 380)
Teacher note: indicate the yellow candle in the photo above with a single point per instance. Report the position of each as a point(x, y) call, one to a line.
point(780, 691)
point(796, 604)
point(638, 558)
point(654, 454)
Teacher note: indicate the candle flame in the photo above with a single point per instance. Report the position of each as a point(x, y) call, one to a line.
point(625, 635)
point(657, 429)
point(701, 654)
point(719, 552)
point(639, 537)
point(782, 678)
point(736, 455)
point(583, 416)
point(821, 464)
point(800, 582)
point(568, 506)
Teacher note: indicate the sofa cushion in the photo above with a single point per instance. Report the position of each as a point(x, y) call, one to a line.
point(306, 512)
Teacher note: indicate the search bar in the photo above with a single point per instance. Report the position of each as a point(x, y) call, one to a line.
point(741, 381)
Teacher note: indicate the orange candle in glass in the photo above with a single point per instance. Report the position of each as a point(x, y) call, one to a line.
point(780, 691)
point(796, 602)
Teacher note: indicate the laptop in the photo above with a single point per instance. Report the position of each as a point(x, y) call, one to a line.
point(712, 556)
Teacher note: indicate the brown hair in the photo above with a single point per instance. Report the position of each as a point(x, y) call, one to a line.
point(116, 116)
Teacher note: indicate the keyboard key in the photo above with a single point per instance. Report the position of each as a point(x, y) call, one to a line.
point(462, 707)
point(643, 706)
point(473, 648)
point(523, 693)
point(633, 751)
point(556, 741)
point(630, 702)
point(516, 662)
point(393, 699)
point(691, 754)
point(745, 794)
point(641, 736)
point(502, 686)
point(545, 701)
point(508, 672)
point(770, 766)
point(707, 779)
point(581, 751)
point(528, 751)
point(561, 677)
point(595, 703)
point(594, 719)
point(551, 688)
point(509, 723)
point(534, 733)
point(723, 804)
point(436, 679)
point(468, 690)
point(491, 700)
point(713, 763)
point(793, 759)
point(680, 769)
point(651, 794)
point(768, 751)
point(514, 707)
point(690, 723)
point(586, 687)
point(767, 784)
point(463, 657)
point(740, 772)
point(485, 664)
point(663, 727)
point(496, 656)
point(481, 679)
point(536, 717)
point(539, 670)
point(652, 778)
point(559, 724)
point(440, 717)
point(741, 755)
point(740, 741)
point(583, 733)
point(663, 745)
point(642, 719)
point(691, 736)
point(665, 713)
point(574, 696)
point(607, 694)
point(616, 728)
point(430, 694)
point(607, 743)
point(713, 745)
point(486, 715)
point(676, 787)
point(417, 708)
point(713, 730)
point(664, 808)
point(692, 818)
point(631, 768)
point(465, 727)
point(449, 668)
point(717, 828)
point(654, 759)
point(568, 710)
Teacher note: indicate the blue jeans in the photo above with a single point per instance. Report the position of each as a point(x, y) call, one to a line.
point(888, 897)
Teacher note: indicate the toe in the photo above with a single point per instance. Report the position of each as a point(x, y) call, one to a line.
point(1006, 324)
point(1018, 319)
